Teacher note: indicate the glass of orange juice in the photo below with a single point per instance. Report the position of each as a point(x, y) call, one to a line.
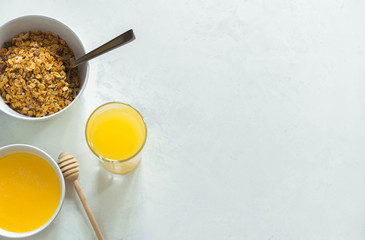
point(116, 133)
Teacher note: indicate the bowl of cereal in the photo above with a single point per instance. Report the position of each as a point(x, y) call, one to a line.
point(36, 80)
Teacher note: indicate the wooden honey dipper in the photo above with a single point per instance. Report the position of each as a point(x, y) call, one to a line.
point(70, 170)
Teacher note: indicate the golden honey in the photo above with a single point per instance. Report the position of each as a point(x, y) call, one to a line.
point(30, 192)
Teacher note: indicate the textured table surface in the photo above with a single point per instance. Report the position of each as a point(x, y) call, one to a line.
point(255, 111)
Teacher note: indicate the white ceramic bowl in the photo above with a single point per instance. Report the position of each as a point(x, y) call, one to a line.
point(36, 151)
point(12, 29)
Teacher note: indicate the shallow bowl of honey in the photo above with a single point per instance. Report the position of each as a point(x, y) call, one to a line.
point(32, 190)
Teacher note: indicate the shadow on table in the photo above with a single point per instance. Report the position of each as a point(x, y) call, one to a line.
point(13, 126)
point(118, 200)
point(115, 199)
point(31, 132)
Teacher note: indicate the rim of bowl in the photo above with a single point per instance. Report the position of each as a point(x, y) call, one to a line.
point(55, 167)
point(24, 117)
point(115, 160)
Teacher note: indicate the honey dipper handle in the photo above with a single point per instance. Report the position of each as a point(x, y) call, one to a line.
point(88, 210)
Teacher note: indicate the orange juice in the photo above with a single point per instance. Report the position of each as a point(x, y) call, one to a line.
point(30, 192)
point(116, 132)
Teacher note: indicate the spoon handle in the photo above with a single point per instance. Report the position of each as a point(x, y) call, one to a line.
point(122, 39)
point(88, 210)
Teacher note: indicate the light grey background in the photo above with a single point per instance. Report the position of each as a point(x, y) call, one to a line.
point(255, 111)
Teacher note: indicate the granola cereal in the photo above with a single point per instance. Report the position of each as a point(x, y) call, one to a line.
point(34, 74)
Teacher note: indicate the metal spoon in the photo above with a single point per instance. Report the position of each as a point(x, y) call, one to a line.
point(121, 40)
